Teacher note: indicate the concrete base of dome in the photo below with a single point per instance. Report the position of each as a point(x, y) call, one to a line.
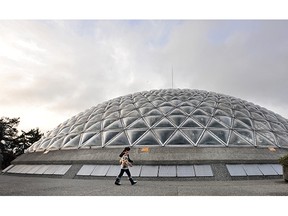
point(156, 156)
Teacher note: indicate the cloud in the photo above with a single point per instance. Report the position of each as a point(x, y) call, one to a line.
point(62, 68)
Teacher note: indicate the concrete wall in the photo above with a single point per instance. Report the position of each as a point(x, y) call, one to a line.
point(155, 155)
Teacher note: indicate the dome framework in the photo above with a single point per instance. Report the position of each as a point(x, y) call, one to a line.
point(169, 118)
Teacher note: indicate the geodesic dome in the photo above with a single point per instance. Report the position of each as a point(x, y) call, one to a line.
point(169, 117)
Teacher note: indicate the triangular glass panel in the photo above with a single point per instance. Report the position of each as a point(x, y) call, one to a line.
point(43, 144)
point(112, 109)
point(246, 121)
point(134, 135)
point(240, 124)
point(147, 140)
point(187, 109)
point(277, 127)
point(215, 124)
point(77, 129)
point(257, 116)
point(208, 140)
point(236, 140)
point(237, 106)
point(176, 102)
point(133, 113)
point(128, 106)
point(166, 109)
point(208, 110)
point(263, 141)
point(95, 127)
point(163, 134)
point(207, 104)
point(177, 112)
point(259, 125)
point(225, 119)
point(86, 136)
point(57, 144)
point(199, 112)
point(186, 104)
point(219, 112)
point(178, 139)
point(221, 134)
point(129, 120)
point(147, 105)
point(190, 123)
point(246, 134)
point(125, 103)
point(194, 134)
point(120, 140)
point(152, 120)
point(139, 104)
point(194, 102)
point(202, 119)
point(246, 112)
point(99, 111)
point(115, 125)
point(224, 105)
point(88, 124)
point(124, 112)
point(82, 120)
point(239, 114)
point(108, 135)
point(165, 104)
point(94, 141)
point(73, 142)
point(271, 118)
point(177, 119)
point(144, 110)
point(154, 112)
point(107, 122)
point(114, 115)
point(157, 102)
point(64, 130)
point(268, 135)
point(282, 141)
point(140, 123)
point(165, 123)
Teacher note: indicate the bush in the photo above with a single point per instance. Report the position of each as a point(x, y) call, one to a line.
point(284, 160)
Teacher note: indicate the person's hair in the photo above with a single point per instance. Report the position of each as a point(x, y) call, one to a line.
point(126, 149)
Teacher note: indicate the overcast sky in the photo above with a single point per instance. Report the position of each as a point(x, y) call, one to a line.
point(52, 70)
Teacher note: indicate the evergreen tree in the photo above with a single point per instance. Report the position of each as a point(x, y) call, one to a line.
point(12, 144)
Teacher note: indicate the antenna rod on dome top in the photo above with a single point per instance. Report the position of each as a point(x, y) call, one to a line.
point(172, 76)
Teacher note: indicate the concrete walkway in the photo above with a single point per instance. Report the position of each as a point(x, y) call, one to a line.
point(38, 186)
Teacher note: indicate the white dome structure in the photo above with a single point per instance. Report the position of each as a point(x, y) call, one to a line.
point(169, 118)
point(172, 133)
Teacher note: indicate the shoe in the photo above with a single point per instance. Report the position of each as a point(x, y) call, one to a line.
point(117, 182)
point(132, 181)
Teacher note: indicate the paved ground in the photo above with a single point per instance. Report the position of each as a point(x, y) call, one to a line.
point(38, 186)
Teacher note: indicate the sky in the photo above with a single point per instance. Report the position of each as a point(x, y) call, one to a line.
point(59, 58)
point(53, 69)
point(57, 61)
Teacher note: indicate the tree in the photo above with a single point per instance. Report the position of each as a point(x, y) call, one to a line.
point(26, 139)
point(12, 144)
point(8, 132)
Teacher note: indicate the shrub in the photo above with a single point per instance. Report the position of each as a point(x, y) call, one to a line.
point(284, 160)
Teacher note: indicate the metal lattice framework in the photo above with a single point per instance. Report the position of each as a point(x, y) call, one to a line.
point(170, 117)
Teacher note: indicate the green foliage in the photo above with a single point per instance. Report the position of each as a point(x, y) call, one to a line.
point(284, 160)
point(11, 143)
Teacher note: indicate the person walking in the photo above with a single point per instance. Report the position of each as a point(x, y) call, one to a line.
point(125, 163)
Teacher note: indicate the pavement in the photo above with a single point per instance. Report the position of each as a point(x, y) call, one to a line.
point(39, 186)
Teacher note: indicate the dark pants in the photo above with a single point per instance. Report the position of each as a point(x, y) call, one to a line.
point(122, 172)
